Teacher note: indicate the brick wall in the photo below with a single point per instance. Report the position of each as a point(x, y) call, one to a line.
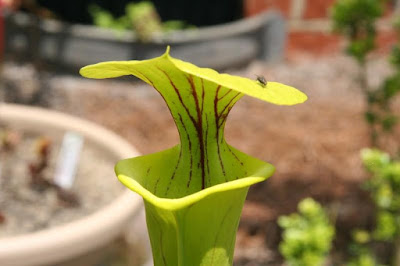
point(310, 28)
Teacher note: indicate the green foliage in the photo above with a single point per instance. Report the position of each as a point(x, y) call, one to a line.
point(360, 48)
point(145, 20)
point(307, 235)
point(351, 15)
point(361, 236)
point(363, 258)
point(172, 25)
point(385, 191)
point(142, 18)
point(355, 20)
point(395, 56)
point(387, 226)
point(105, 19)
point(361, 254)
point(391, 87)
point(384, 188)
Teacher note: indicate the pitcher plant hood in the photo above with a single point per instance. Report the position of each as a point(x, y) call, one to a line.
point(200, 184)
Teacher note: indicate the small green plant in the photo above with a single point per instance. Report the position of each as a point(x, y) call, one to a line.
point(103, 18)
point(384, 187)
point(194, 192)
point(307, 235)
point(360, 250)
point(140, 17)
point(356, 19)
point(363, 257)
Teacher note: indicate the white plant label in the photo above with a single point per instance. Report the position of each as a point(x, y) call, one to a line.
point(68, 159)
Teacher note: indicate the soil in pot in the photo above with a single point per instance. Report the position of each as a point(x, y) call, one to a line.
point(28, 205)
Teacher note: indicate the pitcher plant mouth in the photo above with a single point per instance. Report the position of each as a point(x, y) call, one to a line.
point(124, 173)
point(196, 189)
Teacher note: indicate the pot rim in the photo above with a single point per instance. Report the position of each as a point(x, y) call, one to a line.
point(208, 33)
point(79, 236)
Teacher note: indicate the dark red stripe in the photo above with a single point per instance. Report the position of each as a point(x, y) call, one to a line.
point(234, 155)
point(229, 91)
point(179, 96)
point(217, 117)
point(199, 129)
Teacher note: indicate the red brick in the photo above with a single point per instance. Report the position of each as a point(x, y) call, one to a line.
point(253, 7)
point(321, 8)
point(386, 40)
point(320, 43)
point(389, 9)
point(316, 43)
point(317, 8)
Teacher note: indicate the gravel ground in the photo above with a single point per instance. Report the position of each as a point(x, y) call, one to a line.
point(315, 146)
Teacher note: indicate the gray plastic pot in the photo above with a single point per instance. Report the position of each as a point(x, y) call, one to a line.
point(221, 46)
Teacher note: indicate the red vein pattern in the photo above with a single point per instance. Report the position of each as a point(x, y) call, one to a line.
point(193, 104)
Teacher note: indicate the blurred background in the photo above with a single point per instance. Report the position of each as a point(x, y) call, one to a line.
point(337, 155)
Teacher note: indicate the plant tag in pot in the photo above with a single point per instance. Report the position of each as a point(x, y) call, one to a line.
point(68, 160)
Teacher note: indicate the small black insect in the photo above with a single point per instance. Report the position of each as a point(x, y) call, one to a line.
point(262, 80)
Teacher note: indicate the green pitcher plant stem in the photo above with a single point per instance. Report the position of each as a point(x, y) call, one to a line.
point(194, 192)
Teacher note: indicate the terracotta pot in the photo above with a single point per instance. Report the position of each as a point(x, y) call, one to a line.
point(82, 241)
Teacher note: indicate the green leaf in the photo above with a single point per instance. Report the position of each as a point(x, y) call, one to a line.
point(371, 117)
point(391, 86)
point(361, 236)
point(101, 17)
point(389, 122)
point(374, 160)
point(386, 226)
point(355, 19)
point(194, 192)
point(307, 235)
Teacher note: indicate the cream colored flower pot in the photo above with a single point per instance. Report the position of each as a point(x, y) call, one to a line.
point(80, 242)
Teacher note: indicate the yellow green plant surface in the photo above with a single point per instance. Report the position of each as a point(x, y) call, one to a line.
point(194, 192)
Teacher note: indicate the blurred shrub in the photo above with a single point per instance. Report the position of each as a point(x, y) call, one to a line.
point(361, 253)
point(384, 187)
point(140, 17)
point(144, 18)
point(385, 191)
point(307, 235)
point(105, 19)
point(364, 258)
point(355, 20)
